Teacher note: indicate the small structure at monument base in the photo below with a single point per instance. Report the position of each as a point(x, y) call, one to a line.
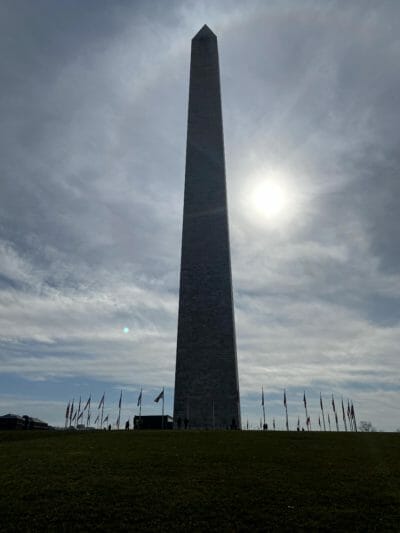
point(153, 422)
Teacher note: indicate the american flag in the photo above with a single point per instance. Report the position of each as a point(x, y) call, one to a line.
point(101, 401)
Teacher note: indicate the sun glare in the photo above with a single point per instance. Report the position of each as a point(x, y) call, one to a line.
point(269, 199)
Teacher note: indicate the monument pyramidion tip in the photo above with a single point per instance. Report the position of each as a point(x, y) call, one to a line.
point(204, 33)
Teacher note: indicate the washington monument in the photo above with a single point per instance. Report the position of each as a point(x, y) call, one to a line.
point(206, 379)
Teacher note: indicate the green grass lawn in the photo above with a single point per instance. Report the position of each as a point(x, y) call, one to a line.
point(229, 481)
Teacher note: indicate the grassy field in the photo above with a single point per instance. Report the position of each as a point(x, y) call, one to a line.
point(225, 481)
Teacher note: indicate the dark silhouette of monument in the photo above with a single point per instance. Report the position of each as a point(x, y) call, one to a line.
point(206, 379)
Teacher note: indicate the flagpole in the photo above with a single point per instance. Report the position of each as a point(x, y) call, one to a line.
point(329, 422)
point(163, 410)
point(322, 409)
point(88, 413)
point(344, 416)
point(263, 405)
point(70, 413)
point(305, 407)
point(285, 403)
point(66, 416)
point(140, 410)
point(334, 412)
point(353, 415)
point(102, 412)
point(119, 410)
point(79, 412)
point(349, 415)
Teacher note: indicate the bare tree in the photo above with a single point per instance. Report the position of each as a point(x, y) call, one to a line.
point(366, 427)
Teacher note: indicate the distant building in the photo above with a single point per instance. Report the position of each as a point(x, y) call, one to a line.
point(34, 423)
point(153, 422)
point(11, 421)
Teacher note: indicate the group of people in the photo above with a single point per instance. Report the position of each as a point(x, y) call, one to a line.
point(185, 422)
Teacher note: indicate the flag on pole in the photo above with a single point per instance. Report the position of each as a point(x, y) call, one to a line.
point(74, 417)
point(71, 411)
point(344, 416)
point(97, 419)
point(87, 403)
point(349, 415)
point(139, 400)
point(298, 424)
point(67, 411)
point(308, 420)
point(353, 416)
point(101, 402)
point(159, 397)
point(285, 404)
point(120, 401)
point(79, 416)
point(322, 410)
point(263, 407)
point(105, 420)
point(319, 422)
point(333, 404)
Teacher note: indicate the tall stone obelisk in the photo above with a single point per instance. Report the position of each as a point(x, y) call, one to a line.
point(206, 379)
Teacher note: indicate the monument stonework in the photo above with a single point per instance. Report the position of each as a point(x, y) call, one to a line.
point(206, 379)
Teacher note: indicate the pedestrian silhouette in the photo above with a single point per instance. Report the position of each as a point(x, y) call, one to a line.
point(127, 424)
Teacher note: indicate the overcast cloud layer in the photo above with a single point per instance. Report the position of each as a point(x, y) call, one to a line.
point(93, 113)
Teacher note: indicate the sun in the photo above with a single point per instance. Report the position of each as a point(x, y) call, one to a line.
point(269, 199)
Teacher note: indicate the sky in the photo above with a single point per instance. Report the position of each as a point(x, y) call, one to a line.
point(93, 107)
